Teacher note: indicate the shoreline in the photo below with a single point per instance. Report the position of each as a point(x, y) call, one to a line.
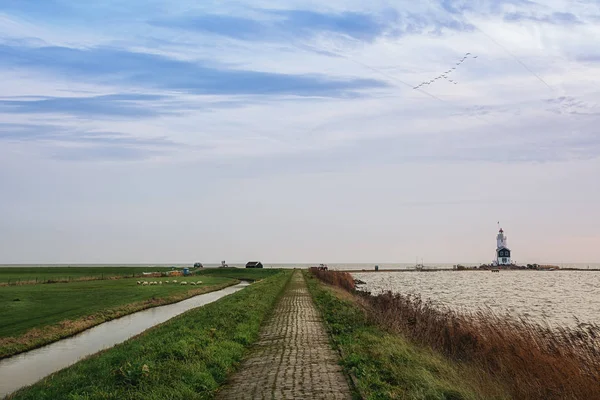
point(198, 349)
point(462, 270)
point(552, 362)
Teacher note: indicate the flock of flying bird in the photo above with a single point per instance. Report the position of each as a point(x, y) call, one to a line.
point(446, 74)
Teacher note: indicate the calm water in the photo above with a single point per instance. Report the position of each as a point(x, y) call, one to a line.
point(553, 296)
point(28, 368)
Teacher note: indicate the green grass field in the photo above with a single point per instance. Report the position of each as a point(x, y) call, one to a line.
point(388, 366)
point(187, 357)
point(24, 308)
point(252, 274)
point(41, 274)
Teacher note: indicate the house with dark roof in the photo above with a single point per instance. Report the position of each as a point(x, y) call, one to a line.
point(254, 264)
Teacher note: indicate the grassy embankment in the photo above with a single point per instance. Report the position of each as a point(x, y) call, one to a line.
point(386, 365)
point(187, 357)
point(22, 275)
point(249, 274)
point(34, 315)
point(527, 360)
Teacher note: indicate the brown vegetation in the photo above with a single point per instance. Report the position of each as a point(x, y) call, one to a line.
point(531, 361)
point(335, 278)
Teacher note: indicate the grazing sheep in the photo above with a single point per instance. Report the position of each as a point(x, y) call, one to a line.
point(166, 281)
point(174, 281)
point(145, 283)
point(184, 283)
point(199, 282)
point(139, 283)
point(160, 282)
point(193, 283)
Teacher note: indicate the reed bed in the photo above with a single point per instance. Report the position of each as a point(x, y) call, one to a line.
point(335, 278)
point(531, 360)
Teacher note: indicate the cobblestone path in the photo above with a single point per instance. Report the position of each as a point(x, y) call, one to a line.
point(293, 358)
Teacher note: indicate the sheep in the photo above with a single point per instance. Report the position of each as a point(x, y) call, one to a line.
point(184, 283)
point(160, 282)
point(199, 282)
point(139, 283)
point(174, 281)
point(166, 281)
point(145, 283)
point(193, 283)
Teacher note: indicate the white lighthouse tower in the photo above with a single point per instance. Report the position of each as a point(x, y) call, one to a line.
point(502, 250)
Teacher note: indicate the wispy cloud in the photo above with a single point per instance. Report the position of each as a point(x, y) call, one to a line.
point(118, 105)
point(118, 66)
point(297, 25)
point(556, 18)
point(68, 143)
point(153, 113)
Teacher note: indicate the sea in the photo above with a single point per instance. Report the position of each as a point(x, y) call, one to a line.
point(553, 298)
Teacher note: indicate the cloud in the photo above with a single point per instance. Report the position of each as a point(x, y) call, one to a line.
point(73, 144)
point(118, 66)
point(555, 18)
point(105, 153)
point(116, 105)
point(281, 25)
point(356, 25)
point(268, 25)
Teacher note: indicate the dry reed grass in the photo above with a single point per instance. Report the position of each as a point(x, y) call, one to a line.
point(532, 361)
point(335, 278)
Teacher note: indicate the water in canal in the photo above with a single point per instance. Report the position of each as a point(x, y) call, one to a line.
point(27, 368)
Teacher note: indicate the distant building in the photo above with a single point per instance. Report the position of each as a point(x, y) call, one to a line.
point(254, 264)
point(502, 250)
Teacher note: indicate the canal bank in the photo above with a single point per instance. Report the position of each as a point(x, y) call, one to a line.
point(29, 367)
point(187, 357)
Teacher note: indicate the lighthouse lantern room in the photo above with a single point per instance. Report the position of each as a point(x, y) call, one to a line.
point(502, 250)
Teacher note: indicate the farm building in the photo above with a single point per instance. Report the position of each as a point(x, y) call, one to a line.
point(254, 264)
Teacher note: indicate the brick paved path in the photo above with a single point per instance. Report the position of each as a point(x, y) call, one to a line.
point(293, 358)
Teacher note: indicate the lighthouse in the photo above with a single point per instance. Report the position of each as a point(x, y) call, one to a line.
point(502, 250)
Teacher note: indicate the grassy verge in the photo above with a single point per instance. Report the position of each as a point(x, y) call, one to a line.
point(34, 315)
point(387, 366)
point(249, 274)
point(187, 357)
point(19, 275)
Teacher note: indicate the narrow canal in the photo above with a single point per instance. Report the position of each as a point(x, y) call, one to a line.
point(27, 368)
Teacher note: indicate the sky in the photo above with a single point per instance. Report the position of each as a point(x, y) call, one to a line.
point(163, 131)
